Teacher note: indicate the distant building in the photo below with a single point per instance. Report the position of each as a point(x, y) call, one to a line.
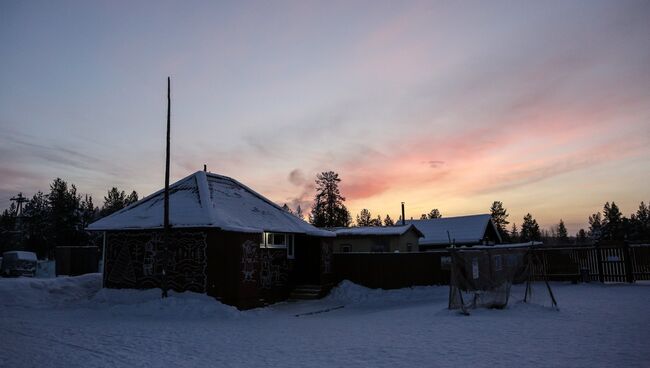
point(226, 240)
point(460, 230)
point(377, 239)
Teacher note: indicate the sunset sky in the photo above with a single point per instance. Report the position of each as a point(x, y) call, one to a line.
point(544, 105)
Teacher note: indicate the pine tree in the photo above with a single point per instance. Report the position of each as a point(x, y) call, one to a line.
point(65, 216)
point(500, 219)
point(364, 218)
point(113, 202)
point(7, 225)
point(641, 223)
point(388, 221)
point(434, 214)
point(131, 198)
point(581, 236)
point(37, 212)
point(562, 234)
point(116, 200)
point(328, 209)
point(376, 221)
point(595, 226)
point(88, 211)
point(514, 234)
point(530, 229)
point(612, 227)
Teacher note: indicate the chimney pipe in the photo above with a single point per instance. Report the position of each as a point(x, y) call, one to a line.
point(205, 168)
point(403, 216)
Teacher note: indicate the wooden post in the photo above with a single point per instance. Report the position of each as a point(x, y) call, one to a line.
point(629, 271)
point(599, 259)
point(163, 282)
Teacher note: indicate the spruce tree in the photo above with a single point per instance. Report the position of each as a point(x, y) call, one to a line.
point(514, 234)
point(65, 216)
point(530, 229)
point(595, 226)
point(562, 235)
point(581, 236)
point(641, 223)
point(328, 209)
point(500, 219)
point(434, 214)
point(612, 227)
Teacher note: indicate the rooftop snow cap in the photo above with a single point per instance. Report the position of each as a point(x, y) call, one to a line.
point(462, 229)
point(376, 230)
point(208, 200)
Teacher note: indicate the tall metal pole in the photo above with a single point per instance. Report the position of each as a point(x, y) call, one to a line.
point(163, 285)
point(166, 219)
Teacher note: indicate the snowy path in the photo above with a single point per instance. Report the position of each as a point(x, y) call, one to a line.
point(67, 323)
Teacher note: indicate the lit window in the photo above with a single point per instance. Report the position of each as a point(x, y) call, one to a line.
point(279, 241)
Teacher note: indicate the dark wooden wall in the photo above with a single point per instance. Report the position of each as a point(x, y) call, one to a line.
point(392, 270)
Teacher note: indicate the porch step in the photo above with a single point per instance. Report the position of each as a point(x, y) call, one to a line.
point(306, 292)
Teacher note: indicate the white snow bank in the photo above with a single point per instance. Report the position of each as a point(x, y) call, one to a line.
point(141, 303)
point(48, 293)
point(86, 292)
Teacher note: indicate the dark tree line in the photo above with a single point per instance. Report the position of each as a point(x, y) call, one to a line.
point(613, 226)
point(329, 211)
point(610, 225)
point(56, 218)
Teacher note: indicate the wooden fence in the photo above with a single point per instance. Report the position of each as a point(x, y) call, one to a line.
point(603, 263)
point(392, 270)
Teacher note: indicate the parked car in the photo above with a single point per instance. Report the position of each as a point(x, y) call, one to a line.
point(18, 263)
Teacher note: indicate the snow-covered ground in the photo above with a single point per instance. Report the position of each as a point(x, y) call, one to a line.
point(71, 322)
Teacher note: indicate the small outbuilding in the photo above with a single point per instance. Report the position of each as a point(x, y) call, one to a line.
point(226, 240)
point(377, 239)
point(461, 230)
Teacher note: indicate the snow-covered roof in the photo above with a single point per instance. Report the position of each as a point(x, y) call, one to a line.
point(208, 200)
point(462, 229)
point(376, 230)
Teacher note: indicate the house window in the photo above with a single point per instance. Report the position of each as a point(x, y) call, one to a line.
point(279, 241)
point(409, 247)
point(345, 248)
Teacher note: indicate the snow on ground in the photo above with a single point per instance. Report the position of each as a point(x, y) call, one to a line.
point(72, 322)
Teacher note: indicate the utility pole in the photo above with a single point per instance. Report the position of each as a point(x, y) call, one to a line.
point(18, 225)
point(166, 228)
point(19, 199)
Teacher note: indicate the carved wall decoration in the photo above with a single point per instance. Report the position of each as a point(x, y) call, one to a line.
point(135, 259)
point(274, 270)
point(249, 261)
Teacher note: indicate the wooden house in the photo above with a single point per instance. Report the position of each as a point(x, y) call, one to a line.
point(461, 230)
point(226, 240)
point(377, 239)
